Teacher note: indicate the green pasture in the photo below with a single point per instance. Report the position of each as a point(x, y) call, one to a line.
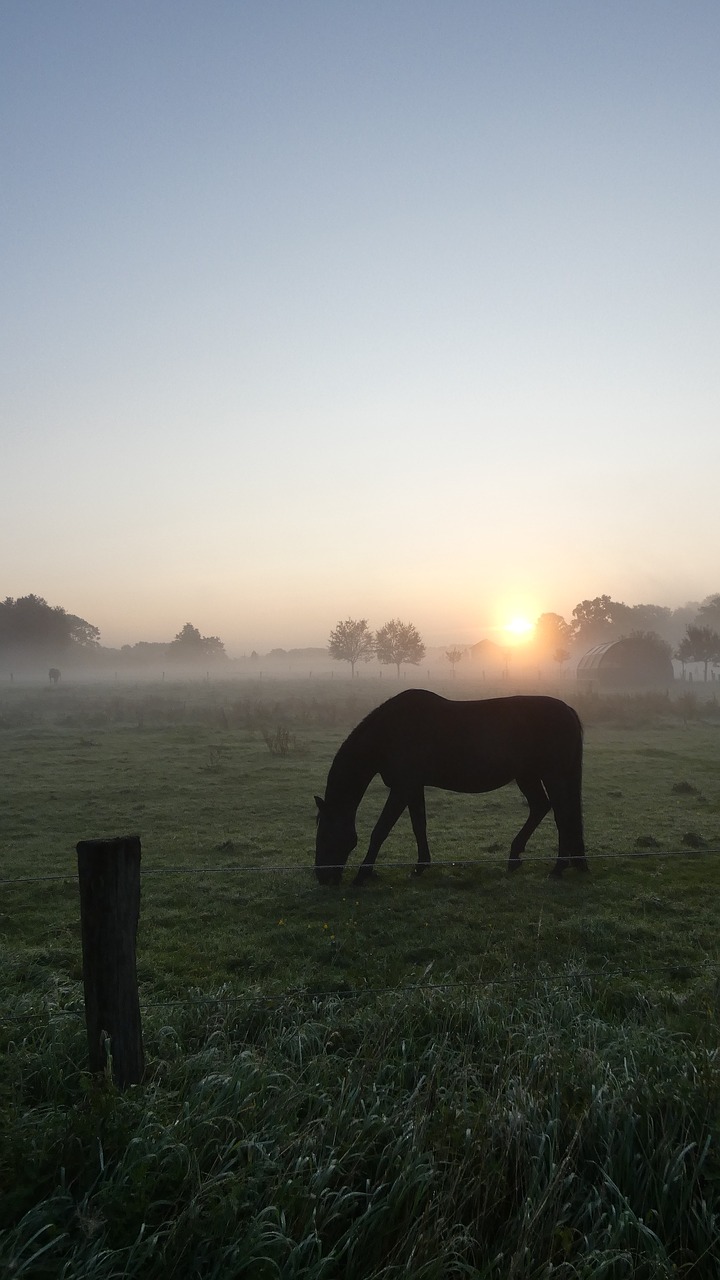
point(467, 1073)
point(220, 785)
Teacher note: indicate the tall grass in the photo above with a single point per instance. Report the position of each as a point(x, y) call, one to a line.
point(530, 1135)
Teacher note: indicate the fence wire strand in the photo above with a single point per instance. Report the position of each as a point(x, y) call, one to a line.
point(288, 868)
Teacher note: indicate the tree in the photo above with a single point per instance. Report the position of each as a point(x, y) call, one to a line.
point(399, 642)
point(453, 656)
point(31, 623)
point(708, 615)
point(351, 641)
point(552, 632)
point(653, 639)
point(599, 619)
point(651, 618)
point(699, 644)
point(190, 646)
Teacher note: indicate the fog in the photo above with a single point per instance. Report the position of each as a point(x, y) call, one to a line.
point(548, 651)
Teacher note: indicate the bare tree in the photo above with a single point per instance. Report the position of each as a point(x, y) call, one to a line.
point(399, 642)
point(351, 641)
point(453, 656)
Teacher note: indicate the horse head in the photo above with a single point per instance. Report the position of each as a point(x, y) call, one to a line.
point(336, 838)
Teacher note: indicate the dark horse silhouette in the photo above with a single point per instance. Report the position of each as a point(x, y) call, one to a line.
point(418, 739)
point(53, 675)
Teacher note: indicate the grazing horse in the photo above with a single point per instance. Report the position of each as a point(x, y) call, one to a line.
point(53, 675)
point(418, 739)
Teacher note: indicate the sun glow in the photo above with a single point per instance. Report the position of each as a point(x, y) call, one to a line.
point(520, 628)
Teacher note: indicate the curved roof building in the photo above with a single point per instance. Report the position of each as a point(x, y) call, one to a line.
point(633, 661)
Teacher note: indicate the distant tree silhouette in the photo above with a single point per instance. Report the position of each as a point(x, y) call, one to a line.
point(31, 623)
point(454, 656)
point(190, 646)
point(551, 632)
point(708, 615)
point(351, 641)
point(599, 619)
point(699, 644)
point(651, 638)
point(399, 642)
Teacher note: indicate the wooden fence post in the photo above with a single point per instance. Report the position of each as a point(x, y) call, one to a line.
point(109, 876)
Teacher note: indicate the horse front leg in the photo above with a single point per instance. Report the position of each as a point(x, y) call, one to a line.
point(394, 806)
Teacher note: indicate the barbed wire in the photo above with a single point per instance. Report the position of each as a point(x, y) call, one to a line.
point(289, 868)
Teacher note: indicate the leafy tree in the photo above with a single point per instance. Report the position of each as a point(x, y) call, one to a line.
point(453, 656)
point(31, 623)
point(653, 639)
point(190, 646)
point(708, 615)
point(699, 644)
point(351, 641)
point(650, 618)
point(551, 632)
point(599, 619)
point(399, 642)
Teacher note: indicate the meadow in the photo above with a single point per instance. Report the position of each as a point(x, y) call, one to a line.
point(466, 1073)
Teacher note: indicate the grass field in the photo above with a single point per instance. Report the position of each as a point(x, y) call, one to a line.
point(468, 1073)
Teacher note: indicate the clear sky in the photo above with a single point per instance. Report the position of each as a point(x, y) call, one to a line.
point(314, 310)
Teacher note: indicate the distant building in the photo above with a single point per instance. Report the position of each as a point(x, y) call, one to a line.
point(631, 663)
point(487, 651)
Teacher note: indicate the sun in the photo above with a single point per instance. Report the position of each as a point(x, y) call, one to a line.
point(520, 628)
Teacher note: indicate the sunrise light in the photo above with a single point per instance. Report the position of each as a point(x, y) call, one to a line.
point(520, 628)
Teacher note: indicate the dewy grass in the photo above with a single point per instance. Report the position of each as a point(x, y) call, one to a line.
point(466, 1074)
point(529, 1135)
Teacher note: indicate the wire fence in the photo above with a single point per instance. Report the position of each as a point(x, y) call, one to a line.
point(225, 1000)
point(290, 868)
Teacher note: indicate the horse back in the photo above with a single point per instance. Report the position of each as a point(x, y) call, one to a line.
point(477, 745)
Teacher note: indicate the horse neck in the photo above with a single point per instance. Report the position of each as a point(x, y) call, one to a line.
point(351, 773)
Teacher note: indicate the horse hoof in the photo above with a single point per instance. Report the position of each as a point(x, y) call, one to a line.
point(364, 875)
point(514, 864)
point(418, 869)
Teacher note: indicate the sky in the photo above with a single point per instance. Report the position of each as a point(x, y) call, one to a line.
point(312, 309)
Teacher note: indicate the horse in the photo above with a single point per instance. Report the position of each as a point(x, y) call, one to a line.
point(418, 739)
point(53, 675)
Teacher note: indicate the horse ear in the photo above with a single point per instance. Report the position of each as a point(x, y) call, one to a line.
point(320, 803)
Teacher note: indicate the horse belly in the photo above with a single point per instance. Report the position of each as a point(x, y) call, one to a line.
point(467, 779)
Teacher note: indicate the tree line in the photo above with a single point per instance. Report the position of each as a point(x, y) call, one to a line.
point(593, 621)
point(30, 626)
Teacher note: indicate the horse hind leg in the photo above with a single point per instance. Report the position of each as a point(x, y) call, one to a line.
point(566, 800)
point(536, 796)
point(418, 819)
